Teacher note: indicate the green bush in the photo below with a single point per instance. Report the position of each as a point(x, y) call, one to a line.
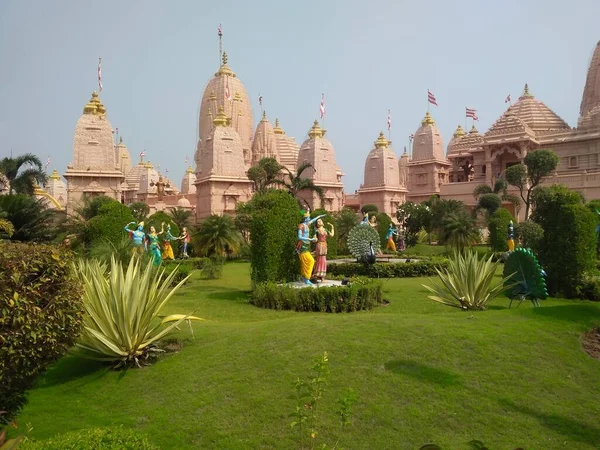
point(389, 270)
point(93, 439)
point(213, 268)
point(355, 297)
point(41, 313)
point(183, 271)
point(369, 208)
point(332, 242)
point(274, 229)
point(108, 224)
point(498, 227)
point(589, 287)
point(383, 223)
point(530, 234)
point(568, 248)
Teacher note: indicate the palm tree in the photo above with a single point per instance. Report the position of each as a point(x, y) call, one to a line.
point(181, 217)
point(23, 181)
point(296, 184)
point(265, 173)
point(32, 220)
point(458, 230)
point(217, 235)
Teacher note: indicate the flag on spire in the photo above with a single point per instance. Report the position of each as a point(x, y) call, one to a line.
point(431, 98)
point(166, 170)
point(100, 74)
point(507, 99)
point(47, 163)
point(220, 30)
point(475, 117)
point(186, 159)
point(260, 99)
point(411, 137)
point(471, 112)
point(322, 107)
point(142, 153)
point(389, 119)
point(227, 93)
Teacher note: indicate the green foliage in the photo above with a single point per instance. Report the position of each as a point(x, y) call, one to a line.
point(243, 219)
point(414, 218)
point(332, 242)
point(217, 235)
point(420, 268)
point(156, 219)
point(297, 184)
point(122, 311)
point(182, 271)
point(107, 224)
point(89, 207)
point(498, 228)
point(360, 239)
point(264, 174)
point(23, 181)
point(356, 297)
point(530, 235)
point(275, 217)
point(525, 276)
point(547, 199)
point(458, 229)
point(589, 287)
point(345, 220)
point(490, 203)
point(40, 316)
point(104, 250)
point(213, 268)
point(93, 439)
point(467, 283)
point(383, 223)
point(31, 218)
point(6, 228)
point(481, 189)
point(181, 217)
point(440, 209)
point(140, 211)
point(369, 208)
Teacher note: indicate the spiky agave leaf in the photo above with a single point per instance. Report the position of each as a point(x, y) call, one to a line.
point(467, 283)
point(122, 310)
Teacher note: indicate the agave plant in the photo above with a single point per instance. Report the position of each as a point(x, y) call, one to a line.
point(122, 323)
point(468, 282)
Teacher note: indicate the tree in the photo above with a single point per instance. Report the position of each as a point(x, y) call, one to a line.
point(440, 208)
point(345, 220)
point(369, 208)
point(490, 203)
point(140, 210)
point(296, 184)
point(23, 181)
point(265, 173)
point(489, 197)
point(181, 217)
point(538, 164)
point(32, 220)
point(498, 228)
point(413, 217)
point(458, 230)
point(217, 235)
point(243, 219)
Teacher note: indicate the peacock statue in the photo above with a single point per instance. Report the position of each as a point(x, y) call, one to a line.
point(528, 279)
point(370, 257)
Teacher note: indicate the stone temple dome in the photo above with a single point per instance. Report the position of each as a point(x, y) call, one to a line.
point(183, 203)
point(535, 114)
point(187, 182)
point(403, 168)
point(427, 144)
point(287, 148)
point(589, 115)
point(456, 137)
point(226, 91)
point(381, 166)
point(264, 144)
point(123, 157)
point(318, 151)
point(93, 147)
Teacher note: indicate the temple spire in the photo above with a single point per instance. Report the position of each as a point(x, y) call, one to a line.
point(591, 92)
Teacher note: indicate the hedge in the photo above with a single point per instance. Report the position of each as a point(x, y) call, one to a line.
point(92, 439)
point(332, 299)
point(498, 227)
point(41, 313)
point(422, 268)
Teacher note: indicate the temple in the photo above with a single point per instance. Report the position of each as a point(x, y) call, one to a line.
point(229, 144)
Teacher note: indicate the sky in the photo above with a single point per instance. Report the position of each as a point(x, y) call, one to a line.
point(366, 57)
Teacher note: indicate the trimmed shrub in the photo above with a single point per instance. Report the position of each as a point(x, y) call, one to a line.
point(274, 229)
point(355, 297)
point(383, 223)
point(589, 287)
point(389, 270)
point(332, 242)
point(213, 268)
point(369, 208)
point(93, 439)
point(108, 224)
point(530, 234)
point(183, 270)
point(41, 313)
point(498, 227)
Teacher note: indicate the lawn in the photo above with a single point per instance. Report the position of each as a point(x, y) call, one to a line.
point(423, 372)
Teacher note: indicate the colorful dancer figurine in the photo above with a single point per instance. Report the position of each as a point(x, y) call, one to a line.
point(321, 249)
point(365, 220)
point(185, 237)
point(167, 248)
point(154, 248)
point(373, 221)
point(510, 241)
point(391, 232)
point(137, 236)
point(307, 261)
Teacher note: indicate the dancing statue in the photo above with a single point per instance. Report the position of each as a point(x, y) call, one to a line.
point(137, 236)
point(185, 237)
point(365, 220)
point(373, 221)
point(321, 250)
point(510, 241)
point(154, 247)
point(167, 248)
point(307, 261)
point(391, 232)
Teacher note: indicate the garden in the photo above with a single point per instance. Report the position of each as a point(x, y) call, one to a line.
point(466, 343)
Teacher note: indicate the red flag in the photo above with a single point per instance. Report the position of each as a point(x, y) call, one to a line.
point(100, 74)
point(507, 100)
point(186, 160)
point(143, 153)
point(411, 137)
point(227, 93)
point(431, 98)
point(476, 118)
point(389, 120)
point(47, 163)
point(220, 31)
point(471, 112)
point(322, 107)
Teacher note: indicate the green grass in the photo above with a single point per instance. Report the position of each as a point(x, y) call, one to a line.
point(423, 372)
point(437, 250)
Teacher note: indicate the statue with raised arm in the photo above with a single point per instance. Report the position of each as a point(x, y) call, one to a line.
point(365, 220)
point(307, 261)
point(154, 247)
point(510, 241)
point(322, 233)
point(185, 237)
point(167, 248)
point(137, 236)
point(391, 232)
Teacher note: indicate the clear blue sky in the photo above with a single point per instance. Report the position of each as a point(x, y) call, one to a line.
point(367, 57)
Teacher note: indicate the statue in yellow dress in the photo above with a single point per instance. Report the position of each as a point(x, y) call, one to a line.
point(510, 241)
point(307, 261)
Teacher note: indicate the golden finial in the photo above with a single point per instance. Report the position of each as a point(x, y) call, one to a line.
point(405, 151)
point(101, 110)
point(264, 117)
point(459, 132)
point(428, 120)
point(315, 131)
point(277, 129)
point(381, 141)
point(54, 175)
point(224, 69)
point(526, 93)
point(473, 130)
point(224, 58)
point(149, 165)
point(91, 106)
point(189, 170)
point(221, 119)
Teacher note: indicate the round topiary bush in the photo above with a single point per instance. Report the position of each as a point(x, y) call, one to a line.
point(369, 208)
point(108, 224)
point(530, 234)
point(498, 228)
point(41, 313)
point(360, 239)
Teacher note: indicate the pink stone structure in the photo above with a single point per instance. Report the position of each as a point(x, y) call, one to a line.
point(325, 173)
point(381, 185)
point(287, 148)
point(264, 144)
point(94, 169)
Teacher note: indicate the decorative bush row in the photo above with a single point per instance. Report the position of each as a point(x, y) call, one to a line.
point(422, 268)
point(92, 439)
point(355, 297)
